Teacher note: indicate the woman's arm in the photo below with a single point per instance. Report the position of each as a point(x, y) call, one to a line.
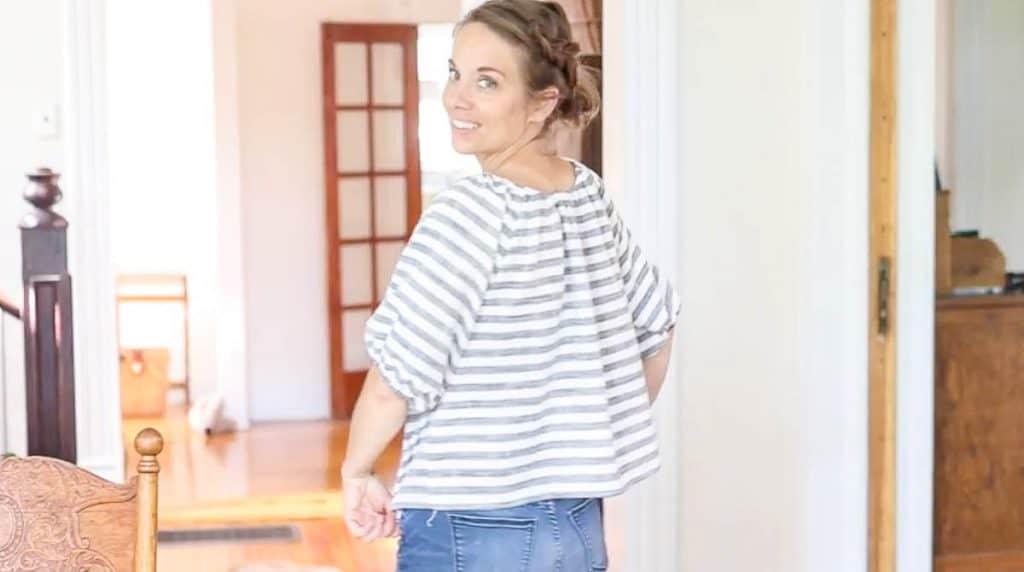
point(656, 367)
point(378, 416)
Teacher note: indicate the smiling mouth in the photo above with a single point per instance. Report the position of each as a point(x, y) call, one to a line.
point(464, 125)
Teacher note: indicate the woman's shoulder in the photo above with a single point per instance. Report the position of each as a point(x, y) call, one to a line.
point(473, 191)
point(593, 185)
point(495, 197)
point(467, 206)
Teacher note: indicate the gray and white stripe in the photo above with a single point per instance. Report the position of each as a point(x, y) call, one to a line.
point(515, 325)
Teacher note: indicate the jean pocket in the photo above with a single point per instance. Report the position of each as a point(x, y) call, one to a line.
point(425, 542)
point(491, 543)
point(587, 518)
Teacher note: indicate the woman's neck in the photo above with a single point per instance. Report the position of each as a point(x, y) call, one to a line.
point(534, 165)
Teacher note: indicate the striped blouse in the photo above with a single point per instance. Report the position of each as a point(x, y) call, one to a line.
point(514, 325)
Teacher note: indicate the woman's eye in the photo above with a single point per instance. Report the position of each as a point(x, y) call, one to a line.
point(486, 83)
point(453, 75)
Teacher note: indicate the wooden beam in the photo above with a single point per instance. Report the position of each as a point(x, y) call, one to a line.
point(883, 268)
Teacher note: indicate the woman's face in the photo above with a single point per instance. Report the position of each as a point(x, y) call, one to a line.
point(486, 97)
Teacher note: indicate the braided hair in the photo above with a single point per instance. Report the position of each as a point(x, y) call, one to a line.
point(542, 32)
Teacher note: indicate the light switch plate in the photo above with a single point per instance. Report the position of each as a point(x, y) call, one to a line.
point(44, 123)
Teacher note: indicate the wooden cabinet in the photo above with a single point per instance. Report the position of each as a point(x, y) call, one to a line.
point(979, 434)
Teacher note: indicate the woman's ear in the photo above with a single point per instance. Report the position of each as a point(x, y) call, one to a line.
point(543, 104)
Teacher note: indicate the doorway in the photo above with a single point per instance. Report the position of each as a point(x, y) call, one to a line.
point(946, 457)
point(901, 338)
point(979, 312)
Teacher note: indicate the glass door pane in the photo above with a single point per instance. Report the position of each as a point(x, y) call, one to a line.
point(387, 256)
point(350, 85)
point(388, 74)
point(354, 208)
point(353, 142)
point(391, 207)
point(356, 272)
point(389, 140)
point(355, 357)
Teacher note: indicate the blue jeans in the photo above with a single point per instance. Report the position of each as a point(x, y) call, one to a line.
point(564, 535)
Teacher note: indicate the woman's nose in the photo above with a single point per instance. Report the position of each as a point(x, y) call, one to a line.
point(455, 96)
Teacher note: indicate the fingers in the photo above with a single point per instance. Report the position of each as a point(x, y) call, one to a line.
point(357, 525)
point(368, 512)
point(390, 525)
point(354, 511)
point(366, 524)
point(375, 529)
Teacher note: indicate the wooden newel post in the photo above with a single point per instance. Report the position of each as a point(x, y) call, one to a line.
point(47, 319)
point(148, 444)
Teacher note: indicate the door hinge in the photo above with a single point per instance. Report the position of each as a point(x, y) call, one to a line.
point(884, 287)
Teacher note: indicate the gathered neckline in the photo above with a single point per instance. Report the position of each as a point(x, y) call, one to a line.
point(577, 181)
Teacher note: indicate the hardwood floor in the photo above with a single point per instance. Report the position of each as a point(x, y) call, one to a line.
point(268, 459)
point(324, 543)
point(272, 473)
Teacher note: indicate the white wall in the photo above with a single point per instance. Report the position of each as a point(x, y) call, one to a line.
point(162, 164)
point(281, 143)
point(944, 108)
point(232, 375)
point(468, 5)
point(988, 122)
point(13, 428)
point(32, 60)
point(31, 55)
point(773, 222)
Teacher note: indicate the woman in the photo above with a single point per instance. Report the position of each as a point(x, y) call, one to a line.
point(523, 334)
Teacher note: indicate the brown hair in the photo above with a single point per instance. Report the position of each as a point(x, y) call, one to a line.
point(541, 31)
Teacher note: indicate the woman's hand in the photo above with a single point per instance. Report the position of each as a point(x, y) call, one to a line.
point(367, 508)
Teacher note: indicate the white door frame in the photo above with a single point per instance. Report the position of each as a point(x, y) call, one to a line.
point(641, 146)
point(915, 283)
point(86, 188)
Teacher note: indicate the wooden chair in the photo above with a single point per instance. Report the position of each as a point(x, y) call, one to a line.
point(57, 516)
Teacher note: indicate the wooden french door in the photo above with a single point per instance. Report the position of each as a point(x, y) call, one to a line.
point(372, 182)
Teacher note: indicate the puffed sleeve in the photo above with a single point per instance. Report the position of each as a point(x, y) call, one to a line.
point(652, 300)
point(435, 292)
